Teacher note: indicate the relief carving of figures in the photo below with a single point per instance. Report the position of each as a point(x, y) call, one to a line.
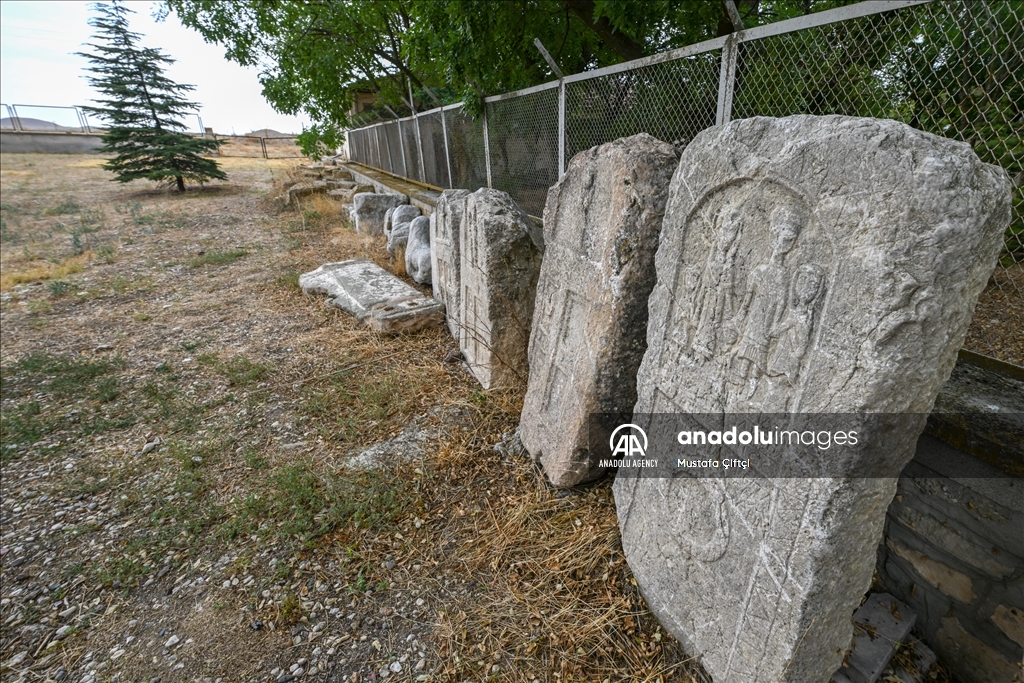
point(764, 303)
point(794, 332)
point(713, 298)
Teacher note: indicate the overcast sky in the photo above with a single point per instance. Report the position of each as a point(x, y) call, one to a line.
point(37, 66)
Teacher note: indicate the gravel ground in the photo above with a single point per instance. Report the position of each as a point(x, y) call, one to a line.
point(177, 501)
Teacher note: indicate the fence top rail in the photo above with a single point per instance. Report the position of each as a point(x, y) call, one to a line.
point(661, 57)
point(524, 91)
point(46, 106)
point(435, 110)
point(832, 16)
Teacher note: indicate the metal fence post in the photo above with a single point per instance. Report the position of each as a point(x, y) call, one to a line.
point(447, 155)
point(727, 79)
point(561, 127)
point(401, 143)
point(419, 143)
point(387, 146)
point(487, 149)
point(376, 137)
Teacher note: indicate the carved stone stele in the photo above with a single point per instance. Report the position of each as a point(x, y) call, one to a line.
point(601, 226)
point(824, 265)
point(498, 273)
point(445, 252)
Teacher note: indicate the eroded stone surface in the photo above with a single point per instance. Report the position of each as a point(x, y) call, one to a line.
point(370, 209)
point(417, 251)
point(407, 314)
point(445, 252)
point(807, 265)
point(970, 659)
point(601, 227)
point(306, 189)
point(346, 194)
point(499, 269)
point(881, 624)
point(401, 218)
point(356, 285)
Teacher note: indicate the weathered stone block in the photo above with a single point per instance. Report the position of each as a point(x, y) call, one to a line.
point(970, 659)
point(807, 265)
point(445, 253)
point(417, 251)
point(881, 624)
point(376, 297)
point(370, 210)
point(296, 192)
point(346, 196)
point(406, 314)
point(401, 218)
point(601, 225)
point(499, 268)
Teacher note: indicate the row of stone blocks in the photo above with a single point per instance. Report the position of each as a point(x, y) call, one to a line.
point(821, 265)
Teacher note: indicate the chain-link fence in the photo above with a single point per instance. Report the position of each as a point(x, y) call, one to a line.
point(36, 118)
point(257, 146)
point(950, 67)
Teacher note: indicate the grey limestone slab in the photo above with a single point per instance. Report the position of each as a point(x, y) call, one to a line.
point(445, 259)
point(601, 226)
point(356, 285)
point(498, 281)
point(825, 265)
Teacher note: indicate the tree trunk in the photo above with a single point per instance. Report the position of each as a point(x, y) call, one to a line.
point(181, 183)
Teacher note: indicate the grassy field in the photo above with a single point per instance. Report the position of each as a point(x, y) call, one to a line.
point(178, 423)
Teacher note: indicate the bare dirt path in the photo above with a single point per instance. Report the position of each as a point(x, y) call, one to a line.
point(175, 502)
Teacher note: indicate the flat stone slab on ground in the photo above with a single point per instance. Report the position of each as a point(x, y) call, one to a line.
point(881, 624)
point(813, 266)
point(406, 315)
point(373, 295)
point(601, 225)
point(921, 660)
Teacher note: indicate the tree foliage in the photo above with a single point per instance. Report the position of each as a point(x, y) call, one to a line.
point(143, 108)
point(315, 55)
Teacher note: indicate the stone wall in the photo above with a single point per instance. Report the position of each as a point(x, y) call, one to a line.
point(954, 534)
point(19, 142)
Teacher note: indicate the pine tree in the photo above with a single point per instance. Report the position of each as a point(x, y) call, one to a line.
point(143, 108)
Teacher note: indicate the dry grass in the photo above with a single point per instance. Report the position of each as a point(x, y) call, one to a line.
point(398, 262)
point(261, 395)
point(322, 205)
point(997, 328)
point(33, 271)
point(511, 573)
